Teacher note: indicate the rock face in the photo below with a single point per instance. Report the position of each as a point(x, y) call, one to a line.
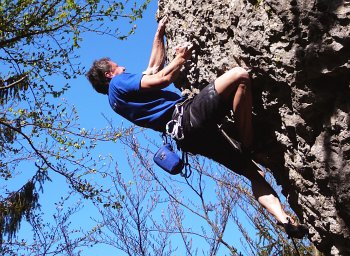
point(298, 55)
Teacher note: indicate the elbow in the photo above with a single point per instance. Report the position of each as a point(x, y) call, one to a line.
point(164, 79)
point(155, 69)
point(151, 70)
point(158, 80)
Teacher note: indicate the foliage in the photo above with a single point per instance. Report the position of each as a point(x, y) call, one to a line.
point(39, 131)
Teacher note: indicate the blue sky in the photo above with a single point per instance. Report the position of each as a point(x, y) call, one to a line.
point(92, 107)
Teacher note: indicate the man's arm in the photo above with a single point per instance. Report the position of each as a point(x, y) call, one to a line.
point(168, 74)
point(157, 58)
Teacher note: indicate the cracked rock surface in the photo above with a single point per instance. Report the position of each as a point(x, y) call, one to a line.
point(298, 53)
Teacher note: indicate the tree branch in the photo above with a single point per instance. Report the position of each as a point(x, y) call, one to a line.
point(14, 83)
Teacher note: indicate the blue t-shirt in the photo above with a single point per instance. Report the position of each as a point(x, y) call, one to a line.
point(147, 108)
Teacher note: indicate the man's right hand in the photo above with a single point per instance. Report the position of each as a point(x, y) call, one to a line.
point(184, 50)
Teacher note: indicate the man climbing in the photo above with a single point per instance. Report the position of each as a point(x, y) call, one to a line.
point(144, 100)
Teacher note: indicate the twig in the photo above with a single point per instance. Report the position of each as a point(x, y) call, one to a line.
point(14, 83)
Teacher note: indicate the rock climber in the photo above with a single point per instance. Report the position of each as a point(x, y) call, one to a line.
point(143, 99)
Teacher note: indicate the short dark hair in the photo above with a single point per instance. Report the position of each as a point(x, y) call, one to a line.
point(97, 77)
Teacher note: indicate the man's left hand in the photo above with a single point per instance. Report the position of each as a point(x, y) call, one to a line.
point(161, 25)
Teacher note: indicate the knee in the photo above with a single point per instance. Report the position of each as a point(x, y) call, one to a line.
point(233, 79)
point(240, 72)
point(241, 76)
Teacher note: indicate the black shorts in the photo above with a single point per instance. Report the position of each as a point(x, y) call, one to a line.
point(201, 117)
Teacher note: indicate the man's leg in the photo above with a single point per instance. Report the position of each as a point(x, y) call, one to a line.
point(264, 193)
point(235, 84)
point(268, 198)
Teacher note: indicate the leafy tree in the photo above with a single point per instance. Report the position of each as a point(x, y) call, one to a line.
point(39, 132)
point(53, 238)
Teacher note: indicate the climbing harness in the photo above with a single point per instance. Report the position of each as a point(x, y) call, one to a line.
point(173, 127)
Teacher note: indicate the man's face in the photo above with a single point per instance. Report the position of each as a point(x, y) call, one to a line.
point(115, 70)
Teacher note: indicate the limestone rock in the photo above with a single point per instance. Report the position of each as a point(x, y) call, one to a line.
point(298, 56)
